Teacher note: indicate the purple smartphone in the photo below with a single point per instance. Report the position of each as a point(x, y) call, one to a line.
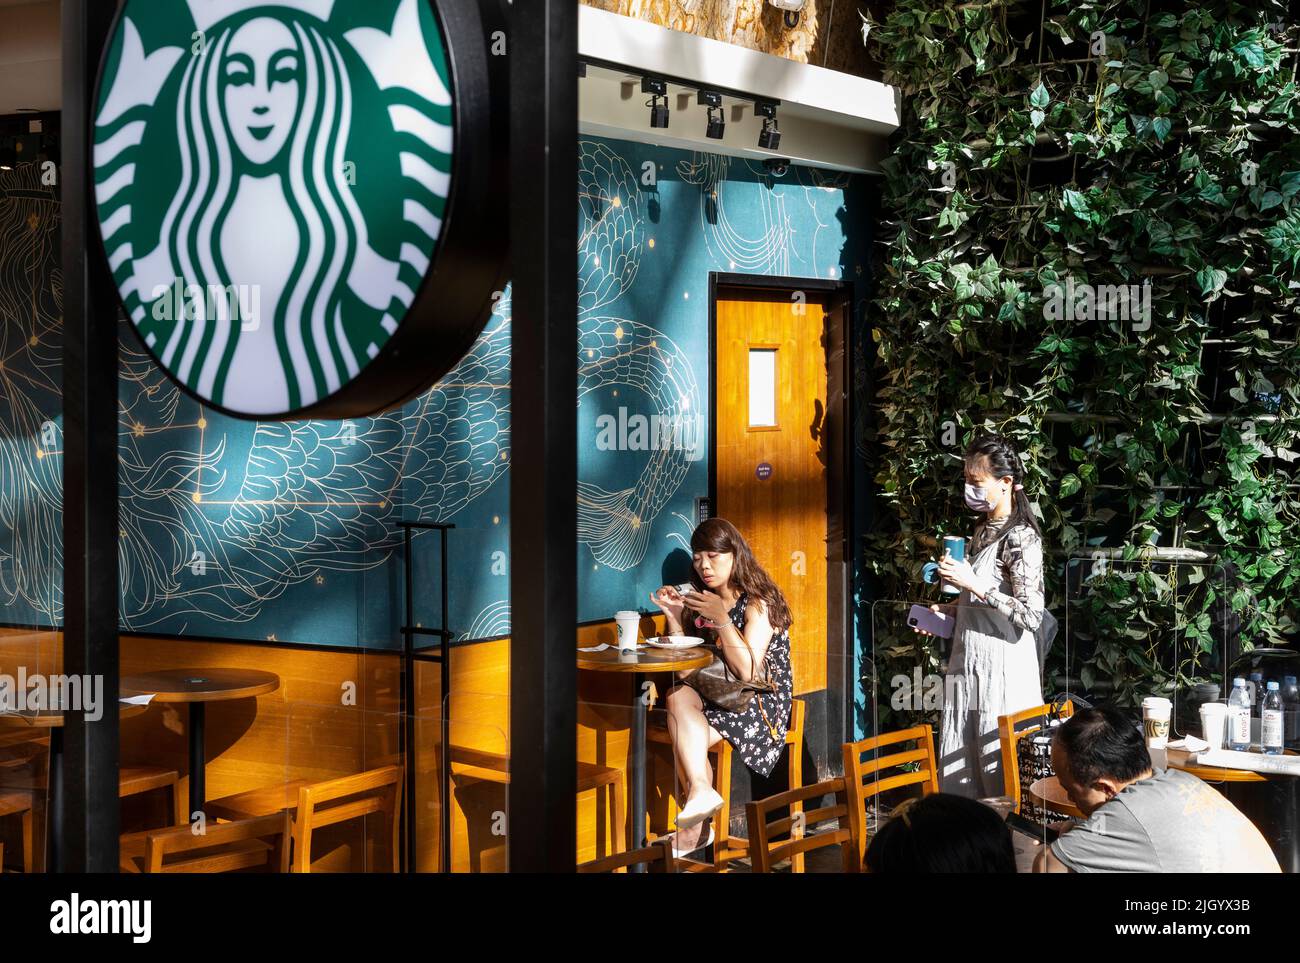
point(936, 623)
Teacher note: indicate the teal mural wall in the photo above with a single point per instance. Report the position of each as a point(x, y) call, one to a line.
point(278, 531)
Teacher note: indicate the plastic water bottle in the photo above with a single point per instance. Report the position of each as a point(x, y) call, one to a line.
point(1256, 688)
point(1239, 716)
point(1290, 710)
point(1270, 720)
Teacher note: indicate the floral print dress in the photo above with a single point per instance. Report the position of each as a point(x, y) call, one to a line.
point(758, 743)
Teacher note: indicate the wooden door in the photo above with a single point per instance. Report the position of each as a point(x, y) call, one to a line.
point(771, 478)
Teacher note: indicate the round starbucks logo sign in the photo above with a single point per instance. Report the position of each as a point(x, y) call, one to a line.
point(276, 187)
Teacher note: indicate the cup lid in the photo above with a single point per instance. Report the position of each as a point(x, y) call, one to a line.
point(627, 614)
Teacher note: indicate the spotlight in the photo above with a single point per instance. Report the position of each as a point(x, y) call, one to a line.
point(658, 90)
point(717, 123)
point(770, 137)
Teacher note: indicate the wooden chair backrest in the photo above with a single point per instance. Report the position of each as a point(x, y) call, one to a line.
point(864, 777)
point(658, 857)
point(1009, 736)
point(349, 797)
point(219, 849)
point(764, 852)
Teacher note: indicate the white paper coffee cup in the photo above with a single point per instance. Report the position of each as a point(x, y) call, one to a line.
point(629, 624)
point(1155, 721)
point(1214, 722)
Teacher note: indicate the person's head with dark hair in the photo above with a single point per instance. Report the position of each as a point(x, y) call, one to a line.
point(722, 556)
point(1096, 753)
point(994, 474)
point(942, 833)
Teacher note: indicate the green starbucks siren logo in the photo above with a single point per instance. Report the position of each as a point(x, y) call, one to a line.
point(272, 180)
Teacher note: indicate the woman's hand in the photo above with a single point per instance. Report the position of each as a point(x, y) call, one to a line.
point(960, 574)
point(672, 605)
point(933, 608)
point(710, 605)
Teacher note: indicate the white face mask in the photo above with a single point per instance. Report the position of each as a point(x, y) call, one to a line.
point(977, 499)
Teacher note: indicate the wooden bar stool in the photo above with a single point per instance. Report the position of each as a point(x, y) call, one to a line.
point(468, 765)
point(19, 802)
point(320, 804)
point(725, 846)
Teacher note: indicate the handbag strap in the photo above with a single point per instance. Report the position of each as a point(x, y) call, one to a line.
point(761, 673)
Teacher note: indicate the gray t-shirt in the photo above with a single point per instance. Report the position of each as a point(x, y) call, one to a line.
point(1171, 822)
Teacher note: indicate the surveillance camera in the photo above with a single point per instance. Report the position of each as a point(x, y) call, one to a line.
point(777, 166)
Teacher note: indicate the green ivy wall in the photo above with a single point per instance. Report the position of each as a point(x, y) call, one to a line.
point(1054, 150)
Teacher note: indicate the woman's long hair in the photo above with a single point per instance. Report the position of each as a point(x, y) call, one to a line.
point(719, 535)
point(313, 348)
point(997, 456)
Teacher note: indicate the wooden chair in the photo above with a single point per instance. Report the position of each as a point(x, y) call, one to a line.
point(1009, 736)
point(316, 805)
point(223, 848)
point(765, 852)
point(26, 767)
point(725, 846)
point(468, 765)
point(864, 780)
point(658, 857)
point(134, 780)
point(19, 802)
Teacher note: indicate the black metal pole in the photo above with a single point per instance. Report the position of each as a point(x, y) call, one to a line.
point(90, 587)
point(444, 767)
point(408, 705)
point(198, 758)
point(543, 49)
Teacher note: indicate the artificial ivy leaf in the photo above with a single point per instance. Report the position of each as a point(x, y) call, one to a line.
point(1211, 281)
point(1038, 96)
point(1252, 53)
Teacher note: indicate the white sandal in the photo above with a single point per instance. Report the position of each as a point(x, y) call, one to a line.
point(705, 840)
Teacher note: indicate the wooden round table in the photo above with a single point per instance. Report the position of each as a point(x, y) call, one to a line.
point(53, 721)
point(644, 660)
point(196, 688)
point(1049, 793)
point(1270, 800)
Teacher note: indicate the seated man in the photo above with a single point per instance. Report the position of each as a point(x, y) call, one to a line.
point(1139, 821)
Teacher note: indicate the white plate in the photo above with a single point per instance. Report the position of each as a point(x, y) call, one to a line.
point(675, 642)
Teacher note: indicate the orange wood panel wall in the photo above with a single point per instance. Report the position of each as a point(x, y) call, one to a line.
point(784, 517)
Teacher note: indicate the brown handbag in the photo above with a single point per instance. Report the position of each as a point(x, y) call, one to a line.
point(716, 683)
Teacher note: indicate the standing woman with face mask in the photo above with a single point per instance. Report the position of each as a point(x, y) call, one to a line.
point(993, 668)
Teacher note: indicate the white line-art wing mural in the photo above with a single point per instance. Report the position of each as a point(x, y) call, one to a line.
point(622, 352)
point(217, 537)
point(31, 441)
